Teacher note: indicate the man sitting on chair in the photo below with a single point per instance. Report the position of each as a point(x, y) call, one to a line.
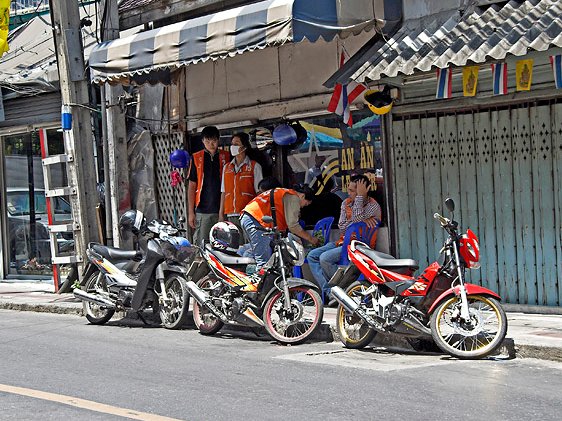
point(358, 207)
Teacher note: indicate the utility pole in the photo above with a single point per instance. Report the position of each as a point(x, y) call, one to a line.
point(78, 141)
point(116, 156)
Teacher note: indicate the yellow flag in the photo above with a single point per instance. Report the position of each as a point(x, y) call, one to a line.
point(469, 80)
point(524, 74)
point(4, 25)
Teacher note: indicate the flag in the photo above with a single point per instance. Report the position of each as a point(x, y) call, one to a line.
point(523, 75)
point(444, 83)
point(556, 62)
point(499, 73)
point(343, 97)
point(469, 80)
point(4, 25)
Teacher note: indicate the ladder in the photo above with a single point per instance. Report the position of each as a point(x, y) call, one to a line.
point(52, 192)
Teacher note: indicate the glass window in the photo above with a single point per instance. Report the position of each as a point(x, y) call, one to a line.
point(331, 154)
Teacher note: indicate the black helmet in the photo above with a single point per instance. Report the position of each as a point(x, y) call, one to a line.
point(225, 237)
point(132, 221)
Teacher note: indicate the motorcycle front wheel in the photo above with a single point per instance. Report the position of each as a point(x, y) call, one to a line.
point(95, 313)
point(173, 311)
point(205, 320)
point(297, 324)
point(353, 331)
point(478, 337)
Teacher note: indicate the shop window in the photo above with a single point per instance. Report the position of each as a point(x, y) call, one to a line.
point(331, 154)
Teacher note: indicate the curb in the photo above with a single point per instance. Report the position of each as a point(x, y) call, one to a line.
point(325, 333)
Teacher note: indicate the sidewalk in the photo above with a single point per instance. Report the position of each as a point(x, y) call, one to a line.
point(528, 335)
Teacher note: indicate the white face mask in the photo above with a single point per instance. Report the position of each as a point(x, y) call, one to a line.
point(235, 150)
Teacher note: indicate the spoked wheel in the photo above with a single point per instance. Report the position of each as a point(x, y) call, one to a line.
point(173, 310)
point(353, 331)
point(297, 324)
point(95, 313)
point(475, 338)
point(205, 320)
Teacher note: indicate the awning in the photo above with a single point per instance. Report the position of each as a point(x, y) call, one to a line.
point(231, 32)
point(476, 37)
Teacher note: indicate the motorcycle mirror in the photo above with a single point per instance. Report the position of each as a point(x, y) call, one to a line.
point(450, 204)
point(181, 220)
point(267, 219)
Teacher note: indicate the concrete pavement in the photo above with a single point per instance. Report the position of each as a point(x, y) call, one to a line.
point(529, 335)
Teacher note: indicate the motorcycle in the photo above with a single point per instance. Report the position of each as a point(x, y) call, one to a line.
point(153, 277)
point(289, 308)
point(463, 319)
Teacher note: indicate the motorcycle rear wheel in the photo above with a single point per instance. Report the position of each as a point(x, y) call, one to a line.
point(477, 339)
point(308, 305)
point(95, 313)
point(353, 331)
point(205, 320)
point(174, 312)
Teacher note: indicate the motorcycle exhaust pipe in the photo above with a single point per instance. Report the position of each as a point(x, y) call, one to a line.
point(353, 307)
point(84, 296)
point(203, 299)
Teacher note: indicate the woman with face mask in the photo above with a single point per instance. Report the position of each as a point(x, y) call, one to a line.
point(240, 179)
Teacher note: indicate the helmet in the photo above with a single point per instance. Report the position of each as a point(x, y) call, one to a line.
point(132, 221)
point(379, 102)
point(295, 249)
point(225, 237)
point(177, 248)
point(179, 158)
point(284, 135)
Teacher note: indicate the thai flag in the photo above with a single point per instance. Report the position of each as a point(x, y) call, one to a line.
point(499, 74)
point(343, 97)
point(556, 62)
point(444, 83)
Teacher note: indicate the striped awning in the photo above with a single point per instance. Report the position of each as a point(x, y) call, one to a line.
point(151, 54)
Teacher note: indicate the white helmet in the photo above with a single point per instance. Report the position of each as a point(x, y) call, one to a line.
point(225, 237)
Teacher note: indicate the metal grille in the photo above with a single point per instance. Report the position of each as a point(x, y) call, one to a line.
point(171, 201)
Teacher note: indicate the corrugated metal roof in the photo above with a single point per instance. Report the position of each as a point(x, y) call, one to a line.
point(476, 37)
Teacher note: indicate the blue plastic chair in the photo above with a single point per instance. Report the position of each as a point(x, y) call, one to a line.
point(324, 225)
point(356, 231)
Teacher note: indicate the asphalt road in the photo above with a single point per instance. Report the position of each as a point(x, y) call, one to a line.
point(57, 367)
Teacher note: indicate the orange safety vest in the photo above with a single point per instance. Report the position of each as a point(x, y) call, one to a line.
point(238, 186)
point(199, 161)
point(261, 206)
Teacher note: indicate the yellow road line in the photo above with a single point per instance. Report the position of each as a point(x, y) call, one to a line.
point(84, 404)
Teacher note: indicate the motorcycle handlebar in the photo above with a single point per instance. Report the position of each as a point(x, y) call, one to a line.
point(442, 220)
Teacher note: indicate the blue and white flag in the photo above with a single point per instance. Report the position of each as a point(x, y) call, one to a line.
point(444, 83)
point(556, 62)
point(499, 73)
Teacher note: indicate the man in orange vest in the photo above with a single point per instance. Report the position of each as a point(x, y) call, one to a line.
point(240, 179)
point(288, 204)
point(204, 191)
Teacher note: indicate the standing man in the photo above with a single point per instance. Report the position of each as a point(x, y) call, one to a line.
point(288, 204)
point(204, 191)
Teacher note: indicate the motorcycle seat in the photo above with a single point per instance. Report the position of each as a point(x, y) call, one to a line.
point(229, 259)
point(384, 260)
point(115, 254)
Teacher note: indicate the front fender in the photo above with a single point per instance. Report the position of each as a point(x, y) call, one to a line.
point(292, 282)
point(471, 289)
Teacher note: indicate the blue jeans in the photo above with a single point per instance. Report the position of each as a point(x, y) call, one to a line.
point(261, 244)
point(323, 263)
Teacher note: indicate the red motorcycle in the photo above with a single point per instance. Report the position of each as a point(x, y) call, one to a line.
point(464, 320)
